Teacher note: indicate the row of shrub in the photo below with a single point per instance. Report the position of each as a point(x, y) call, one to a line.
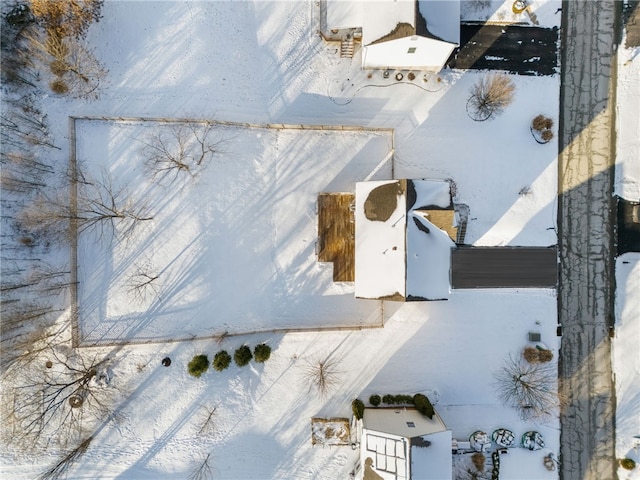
point(221, 360)
point(420, 401)
point(375, 400)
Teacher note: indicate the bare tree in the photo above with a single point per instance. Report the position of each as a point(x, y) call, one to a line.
point(18, 69)
point(22, 172)
point(58, 403)
point(202, 471)
point(142, 284)
point(61, 469)
point(180, 148)
point(71, 62)
point(530, 388)
point(322, 375)
point(47, 278)
point(490, 96)
point(28, 332)
point(99, 206)
point(206, 421)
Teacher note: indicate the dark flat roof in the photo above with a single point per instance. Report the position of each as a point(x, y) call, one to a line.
point(506, 267)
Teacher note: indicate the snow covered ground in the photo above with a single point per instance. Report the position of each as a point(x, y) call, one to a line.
point(628, 125)
point(626, 344)
point(263, 62)
point(233, 247)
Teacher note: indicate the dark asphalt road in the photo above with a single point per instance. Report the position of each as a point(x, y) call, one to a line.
point(586, 217)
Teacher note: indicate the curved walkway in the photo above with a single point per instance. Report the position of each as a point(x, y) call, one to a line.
point(586, 236)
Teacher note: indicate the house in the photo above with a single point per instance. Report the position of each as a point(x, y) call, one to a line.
point(397, 34)
point(404, 233)
point(401, 443)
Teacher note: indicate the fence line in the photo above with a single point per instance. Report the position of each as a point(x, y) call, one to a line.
point(236, 334)
point(75, 331)
point(275, 126)
point(73, 232)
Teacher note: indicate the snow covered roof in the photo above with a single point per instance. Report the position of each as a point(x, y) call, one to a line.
point(443, 18)
point(394, 445)
point(433, 462)
point(402, 34)
point(384, 16)
point(400, 254)
point(402, 421)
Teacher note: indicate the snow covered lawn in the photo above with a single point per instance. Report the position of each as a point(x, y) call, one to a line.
point(234, 248)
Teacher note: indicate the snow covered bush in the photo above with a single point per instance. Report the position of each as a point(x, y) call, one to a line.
point(375, 400)
point(423, 405)
point(221, 361)
point(357, 407)
point(490, 96)
point(198, 365)
point(242, 356)
point(261, 353)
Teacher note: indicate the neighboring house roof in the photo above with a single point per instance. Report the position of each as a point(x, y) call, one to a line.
point(400, 254)
point(402, 421)
point(401, 443)
point(403, 34)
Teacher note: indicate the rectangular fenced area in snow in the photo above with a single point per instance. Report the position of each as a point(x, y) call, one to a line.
point(231, 243)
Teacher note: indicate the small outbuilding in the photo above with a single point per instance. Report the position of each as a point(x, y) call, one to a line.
point(401, 443)
point(399, 34)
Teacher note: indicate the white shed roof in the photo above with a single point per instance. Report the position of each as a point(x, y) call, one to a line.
point(433, 462)
point(398, 421)
point(443, 18)
point(384, 15)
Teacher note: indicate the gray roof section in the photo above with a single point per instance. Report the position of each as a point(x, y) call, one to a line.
point(504, 267)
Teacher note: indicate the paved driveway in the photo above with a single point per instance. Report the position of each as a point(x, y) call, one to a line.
point(512, 48)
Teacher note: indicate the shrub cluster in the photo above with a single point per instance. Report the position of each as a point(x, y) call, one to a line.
point(397, 399)
point(221, 361)
point(478, 461)
point(198, 365)
point(423, 405)
point(628, 463)
point(537, 355)
point(543, 125)
point(357, 407)
point(261, 353)
point(242, 356)
point(420, 401)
